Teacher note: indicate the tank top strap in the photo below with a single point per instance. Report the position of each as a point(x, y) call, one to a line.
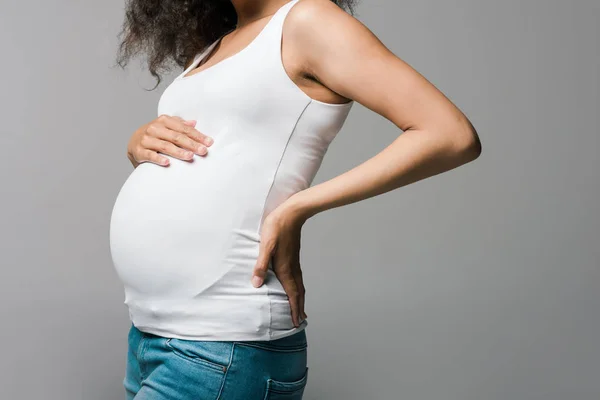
point(197, 58)
point(270, 45)
point(280, 14)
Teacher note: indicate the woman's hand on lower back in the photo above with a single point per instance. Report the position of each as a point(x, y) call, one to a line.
point(169, 135)
point(280, 242)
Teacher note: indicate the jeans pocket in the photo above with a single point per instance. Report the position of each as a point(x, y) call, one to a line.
point(209, 354)
point(292, 343)
point(280, 390)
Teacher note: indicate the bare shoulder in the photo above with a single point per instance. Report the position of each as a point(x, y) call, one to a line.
point(346, 57)
point(311, 8)
point(320, 31)
point(312, 29)
point(313, 16)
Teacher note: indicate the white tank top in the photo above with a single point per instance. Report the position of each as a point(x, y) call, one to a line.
point(184, 239)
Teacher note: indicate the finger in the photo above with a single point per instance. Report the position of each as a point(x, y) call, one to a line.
point(266, 248)
point(301, 309)
point(185, 121)
point(179, 126)
point(291, 289)
point(285, 274)
point(190, 122)
point(166, 147)
point(153, 157)
point(182, 140)
point(179, 139)
point(301, 290)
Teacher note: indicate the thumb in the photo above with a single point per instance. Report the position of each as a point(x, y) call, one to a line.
point(262, 264)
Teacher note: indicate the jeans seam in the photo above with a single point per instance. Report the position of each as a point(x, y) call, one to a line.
point(290, 349)
point(226, 371)
point(141, 348)
point(201, 361)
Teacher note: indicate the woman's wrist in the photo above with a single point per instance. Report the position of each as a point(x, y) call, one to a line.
point(299, 207)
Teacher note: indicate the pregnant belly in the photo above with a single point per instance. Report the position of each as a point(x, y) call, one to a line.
point(172, 228)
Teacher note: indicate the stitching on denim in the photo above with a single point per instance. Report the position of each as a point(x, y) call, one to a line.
point(266, 397)
point(272, 390)
point(293, 387)
point(226, 371)
point(197, 360)
point(142, 347)
point(140, 343)
point(281, 349)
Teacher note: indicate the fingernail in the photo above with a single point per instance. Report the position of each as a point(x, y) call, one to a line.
point(209, 141)
point(256, 281)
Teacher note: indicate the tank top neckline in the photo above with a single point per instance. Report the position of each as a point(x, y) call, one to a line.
point(181, 78)
point(210, 47)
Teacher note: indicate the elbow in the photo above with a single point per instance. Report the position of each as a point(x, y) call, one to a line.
point(467, 144)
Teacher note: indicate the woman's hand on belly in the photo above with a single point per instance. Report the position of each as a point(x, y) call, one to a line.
point(169, 135)
point(280, 241)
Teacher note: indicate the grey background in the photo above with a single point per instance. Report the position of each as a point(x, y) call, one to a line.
point(480, 283)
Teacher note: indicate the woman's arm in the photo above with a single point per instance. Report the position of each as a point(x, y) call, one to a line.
point(349, 59)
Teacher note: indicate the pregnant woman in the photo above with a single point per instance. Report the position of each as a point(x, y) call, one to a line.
point(205, 232)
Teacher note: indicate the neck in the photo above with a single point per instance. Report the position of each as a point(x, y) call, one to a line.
point(251, 10)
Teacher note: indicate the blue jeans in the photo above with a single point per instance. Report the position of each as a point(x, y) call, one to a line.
point(160, 368)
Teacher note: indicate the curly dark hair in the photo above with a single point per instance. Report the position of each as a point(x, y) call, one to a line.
point(176, 30)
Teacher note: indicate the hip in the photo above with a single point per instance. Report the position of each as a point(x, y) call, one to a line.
point(177, 369)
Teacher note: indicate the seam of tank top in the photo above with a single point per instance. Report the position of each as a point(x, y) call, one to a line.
point(279, 163)
point(273, 179)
